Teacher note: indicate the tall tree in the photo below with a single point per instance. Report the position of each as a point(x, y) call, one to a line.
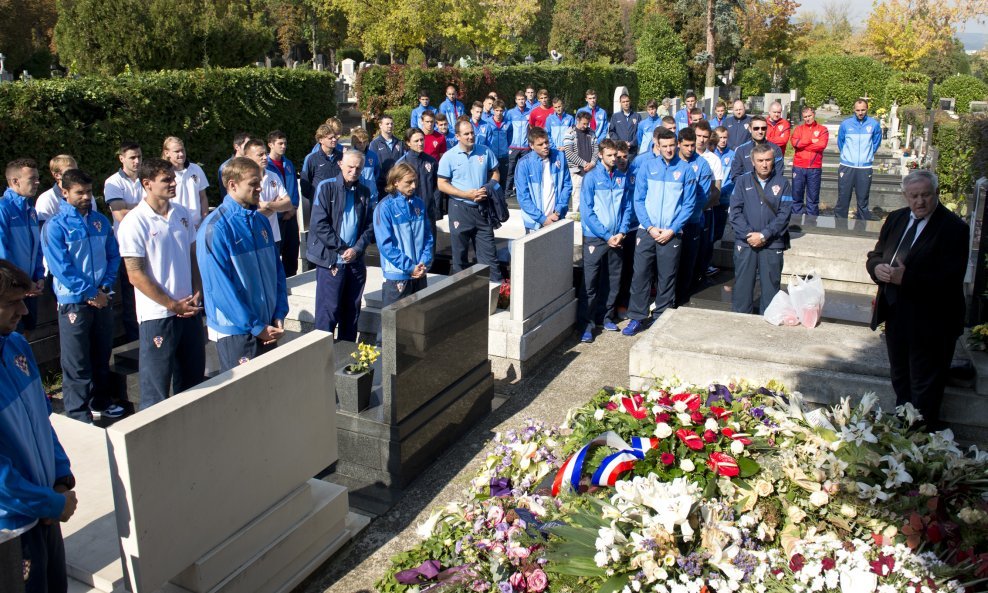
point(772, 36)
point(903, 32)
point(584, 30)
point(490, 28)
point(25, 29)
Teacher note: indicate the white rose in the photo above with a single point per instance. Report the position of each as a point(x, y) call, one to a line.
point(819, 498)
point(684, 419)
point(848, 511)
point(928, 490)
point(599, 414)
point(796, 514)
point(686, 465)
point(737, 447)
point(711, 424)
point(663, 430)
point(679, 406)
point(763, 488)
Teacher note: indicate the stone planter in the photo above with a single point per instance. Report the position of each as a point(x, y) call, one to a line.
point(980, 360)
point(353, 390)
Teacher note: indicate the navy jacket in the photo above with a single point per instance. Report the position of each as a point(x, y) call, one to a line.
point(325, 245)
point(426, 186)
point(742, 159)
point(749, 213)
point(386, 156)
point(738, 130)
point(625, 127)
point(319, 167)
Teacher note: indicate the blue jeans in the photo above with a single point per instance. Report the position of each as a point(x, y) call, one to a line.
point(806, 182)
point(172, 357)
point(85, 335)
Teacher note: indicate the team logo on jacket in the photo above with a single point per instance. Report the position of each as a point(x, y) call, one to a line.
point(158, 341)
point(590, 248)
point(676, 175)
point(400, 285)
point(72, 317)
point(868, 129)
point(34, 215)
point(816, 133)
point(195, 178)
point(21, 363)
point(775, 190)
point(727, 161)
point(264, 234)
point(185, 222)
point(480, 159)
point(456, 224)
point(619, 180)
point(781, 127)
point(638, 241)
point(746, 126)
point(428, 167)
point(334, 270)
point(98, 225)
point(243, 360)
point(696, 168)
point(418, 211)
point(274, 183)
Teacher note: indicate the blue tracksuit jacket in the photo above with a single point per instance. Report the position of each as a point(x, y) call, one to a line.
point(682, 118)
point(498, 138)
point(528, 184)
point(557, 127)
point(318, 167)
point(599, 117)
point(289, 179)
point(325, 244)
point(663, 196)
point(82, 254)
point(31, 458)
point(403, 235)
point(243, 281)
point(727, 185)
point(417, 113)
point(700, 169)
point(645, 130)
point(738, 131)
point(742, 159)
point(451, 140)
point(519, 127)
point(858, 141)
point(452, 111)
point(605, 203)
point(20, 234)
point(750, 214)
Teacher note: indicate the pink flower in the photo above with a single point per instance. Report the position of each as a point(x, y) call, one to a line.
point(537, 581)
point(663, 417)
point(829, 563)
point(495, 515)
point(796, 563)
point(519, 552)
point(611, 406)
point(709, 436)
point(668, 458)
point(517, 581)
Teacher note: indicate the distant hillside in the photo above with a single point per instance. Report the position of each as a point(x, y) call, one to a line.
point(973, 41)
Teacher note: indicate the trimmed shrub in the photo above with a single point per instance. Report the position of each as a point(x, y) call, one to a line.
point(845, 78)
point(384, 88)
point(907, 88)
point(964, 89)
point(977, 136)
point(90, 116)
point(660, 58)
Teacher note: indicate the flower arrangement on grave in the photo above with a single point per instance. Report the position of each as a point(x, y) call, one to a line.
point(978, 339)
point(504, 294)
point(364, 356)
point(735, 487)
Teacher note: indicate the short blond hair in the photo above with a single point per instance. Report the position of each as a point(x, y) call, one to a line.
point(335, 125)
point(62, 162)
point(238, 169)
point(360, 135)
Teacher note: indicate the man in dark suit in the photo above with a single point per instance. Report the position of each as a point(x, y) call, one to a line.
point(919, 264)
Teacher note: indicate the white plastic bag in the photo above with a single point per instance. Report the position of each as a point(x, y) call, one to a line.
point(780, 311)
point(807, 298)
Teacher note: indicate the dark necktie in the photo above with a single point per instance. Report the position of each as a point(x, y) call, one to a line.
point(906, 243)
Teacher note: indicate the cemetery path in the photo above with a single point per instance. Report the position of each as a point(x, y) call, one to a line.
point(568, 377)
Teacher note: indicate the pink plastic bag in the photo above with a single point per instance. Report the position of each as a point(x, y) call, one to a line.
point(780, 311)
point(807, 296)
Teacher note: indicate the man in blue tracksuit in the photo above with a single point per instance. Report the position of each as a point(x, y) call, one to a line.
point(426, 184)
point(37, 481)
point(664, 202)
point(324, 161)
point(543, 182)
point(243, 281)
point(760, 209)
point(83, 257)
point(742, 154)
point(340, 233)
point(20, 231)
point(452, 108)
point(404, 239)
point(498, 136)
point(598, 117)
point(624, 126)
point(422, 107)
point(647, 125)
point(279, 164)
point(858, 139)
point(726, 156)
point(558, 124)
point(605, 208)
point(698, 170)
point(683, 115)
point(517, 119)
point(388, 148)
point(738, 126)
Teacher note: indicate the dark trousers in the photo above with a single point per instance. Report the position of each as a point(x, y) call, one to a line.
point(339, 291)
point(172, 357)
point(129, 313)
point(806, 182)
point(664, 261)
point(601, 282)
point(767, 264)
point(240, 349)
point(858, 180)
point(85, 336)
point(513, 155)
point(502, 169)
point(43, 550)
point(29, 321)
point(467, 226)
point(686, 276)
point(395, 290)
point(289, 244)
point(627, 268)
point(714, 223)
point(920, 361)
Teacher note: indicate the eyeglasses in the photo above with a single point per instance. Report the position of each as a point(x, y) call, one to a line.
point(758, 129)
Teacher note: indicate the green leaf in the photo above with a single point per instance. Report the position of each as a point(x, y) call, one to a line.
point(614, 584)
point(748, 467)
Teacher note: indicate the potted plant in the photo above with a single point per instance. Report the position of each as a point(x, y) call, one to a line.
point(355, 380)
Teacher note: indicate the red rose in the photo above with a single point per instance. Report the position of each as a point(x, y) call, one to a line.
point(883, 566)
point(697, 417)
point(709, 436)
point(723, 465)
point(796, 563)
point(690, 439)
point(829, 563)
point(663, 417)
point(668, 458)
point(611, 406)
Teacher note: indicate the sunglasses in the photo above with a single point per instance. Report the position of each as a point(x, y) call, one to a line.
point(758, 129)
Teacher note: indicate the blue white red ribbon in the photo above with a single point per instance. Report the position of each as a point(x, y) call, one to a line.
point(610, 469)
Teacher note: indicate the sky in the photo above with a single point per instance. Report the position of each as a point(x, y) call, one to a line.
point(974, 36)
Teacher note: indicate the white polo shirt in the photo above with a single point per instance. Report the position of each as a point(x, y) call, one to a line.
point(120, 187)
point(49, 203)
point(271, 190)
point(715, 165)
point(165, 243)
point(189, 182)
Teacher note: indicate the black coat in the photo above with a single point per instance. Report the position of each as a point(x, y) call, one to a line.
point(932, 289)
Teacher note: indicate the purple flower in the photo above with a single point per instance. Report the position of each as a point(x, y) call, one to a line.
point(506, 587)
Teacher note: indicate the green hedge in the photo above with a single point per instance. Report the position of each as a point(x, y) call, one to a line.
point(964, 89)
point(89, 117)
point(845, 78)
point(907, 88)
point(383, 88)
